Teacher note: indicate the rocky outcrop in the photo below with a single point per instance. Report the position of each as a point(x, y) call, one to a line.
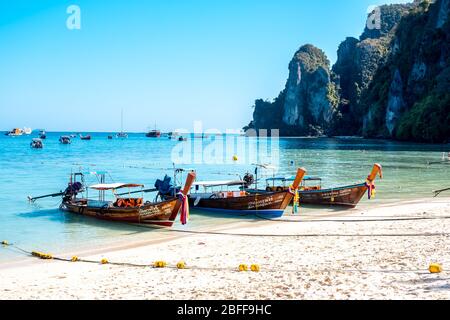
point(392, 82)
point(443, 17)
point(415, 106)
point(395, 102)
point(306, 102)
point(358, 62)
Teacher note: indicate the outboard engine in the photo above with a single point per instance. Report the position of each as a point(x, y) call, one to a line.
point(165, 187)
point(249, 179)
point(72, 190)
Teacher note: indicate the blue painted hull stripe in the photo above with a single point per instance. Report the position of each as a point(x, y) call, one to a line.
point(268, 212)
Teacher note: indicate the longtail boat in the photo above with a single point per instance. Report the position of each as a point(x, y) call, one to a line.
point(266, 204)
point(65, 140)
point(88, 137)
point(345, 196)
point(15, 132)
point(122, 209)
point(36, 143)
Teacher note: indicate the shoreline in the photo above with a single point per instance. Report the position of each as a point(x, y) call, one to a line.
point(122, 245)
point(346, 257)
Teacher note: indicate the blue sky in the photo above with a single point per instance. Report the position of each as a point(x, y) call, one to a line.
point(171, 62)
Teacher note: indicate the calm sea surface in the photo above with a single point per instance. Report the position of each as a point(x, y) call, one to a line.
point(41, 226)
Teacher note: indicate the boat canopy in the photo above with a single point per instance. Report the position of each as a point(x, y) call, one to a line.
point(210, 184)
point(114, 186)
point(267, 166)
point(292, 178)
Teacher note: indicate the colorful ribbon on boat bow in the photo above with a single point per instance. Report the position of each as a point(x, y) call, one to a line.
point(296, 195)
point(184, 208)
point(371, 192)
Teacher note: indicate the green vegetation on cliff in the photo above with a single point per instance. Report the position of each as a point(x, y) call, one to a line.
point(393, 82)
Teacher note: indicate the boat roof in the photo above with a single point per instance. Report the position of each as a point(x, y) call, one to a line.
point(209, 184)
point(292, 178)
point(114, 186)
point(65, 137)
point(267, 166)
point(36, 140)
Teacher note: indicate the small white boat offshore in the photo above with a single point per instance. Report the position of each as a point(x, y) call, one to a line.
point(36, 143)
point(27, 131)
point(121, 134)
point(14, 132)
point(65, 140)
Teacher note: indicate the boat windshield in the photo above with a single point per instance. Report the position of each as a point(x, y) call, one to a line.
point(211, 184)
point(114, 186)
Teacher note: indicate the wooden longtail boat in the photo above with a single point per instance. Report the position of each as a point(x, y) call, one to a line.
point(15, 132)
point(36, 143)
point(88, 137)
point(132, 210)
point(153, 134)
point(346, 196)
point(65, 140)
point(266, 204)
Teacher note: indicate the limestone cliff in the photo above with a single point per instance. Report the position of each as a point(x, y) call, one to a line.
point(306, 105)
point(392, 82)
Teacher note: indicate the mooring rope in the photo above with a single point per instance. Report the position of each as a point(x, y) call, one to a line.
point(305, 235)
point(240, 268)
point(355, 220)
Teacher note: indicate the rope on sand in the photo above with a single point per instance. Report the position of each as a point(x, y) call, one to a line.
point(434, 268)
point(324, 235)
point(357, 220)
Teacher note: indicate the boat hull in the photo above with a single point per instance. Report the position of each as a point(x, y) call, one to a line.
point(348, 196)
point(268, 205)
point(160, 214)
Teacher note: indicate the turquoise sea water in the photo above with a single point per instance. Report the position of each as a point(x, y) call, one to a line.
point(41, 226)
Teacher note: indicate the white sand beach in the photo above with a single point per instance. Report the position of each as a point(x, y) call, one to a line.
point(378, 253)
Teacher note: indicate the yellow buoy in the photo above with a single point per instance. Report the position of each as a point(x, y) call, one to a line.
point(181, 265)
point(435, 268)
point(235, 158)
point(104, 261)
point(255, 268)
point(5, 243)
point(160, 264)
point(40, 255)
point(243, 267)
point(75, 259)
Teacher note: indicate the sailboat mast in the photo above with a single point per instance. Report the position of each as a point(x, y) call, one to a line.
point(121, 121)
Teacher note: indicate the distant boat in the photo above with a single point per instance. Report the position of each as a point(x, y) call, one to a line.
point(42, 134)
point(73, 135)
point(65, 140)
point(88, 137)
point(110, 137)
point(153, 134)
point(27, 131)
point(14, 132)
point(182, 139)
point(36, 143)
point(121, 134)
